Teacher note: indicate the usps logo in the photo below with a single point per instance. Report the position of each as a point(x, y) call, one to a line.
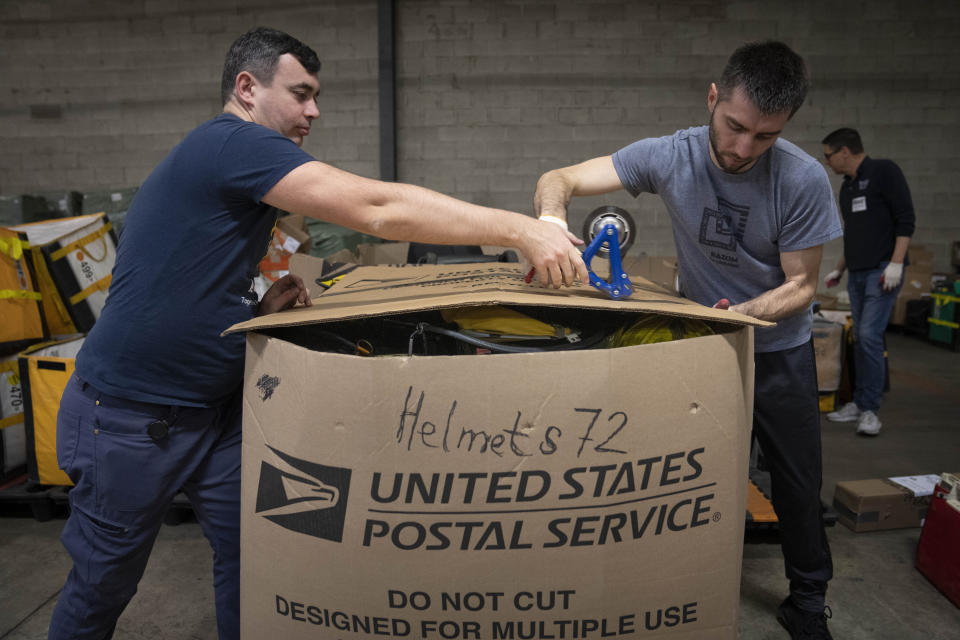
point(306, 497)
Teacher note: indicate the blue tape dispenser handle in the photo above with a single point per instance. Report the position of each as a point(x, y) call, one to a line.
point(619, 285)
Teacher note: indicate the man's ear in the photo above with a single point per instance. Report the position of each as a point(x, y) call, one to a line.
point(243, 88)
point(713, 97)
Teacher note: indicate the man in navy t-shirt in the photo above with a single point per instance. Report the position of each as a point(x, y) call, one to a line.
point(750, 214)
point(878, 221)
point(154, 405)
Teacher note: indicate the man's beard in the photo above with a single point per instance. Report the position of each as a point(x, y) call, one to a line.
point(724, 165)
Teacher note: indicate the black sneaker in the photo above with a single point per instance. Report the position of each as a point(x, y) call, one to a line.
point(804, 625)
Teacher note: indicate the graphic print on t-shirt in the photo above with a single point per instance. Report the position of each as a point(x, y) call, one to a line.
point(721, 229)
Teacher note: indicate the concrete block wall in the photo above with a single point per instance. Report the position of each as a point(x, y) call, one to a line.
point(490, 94)
point(95, 94)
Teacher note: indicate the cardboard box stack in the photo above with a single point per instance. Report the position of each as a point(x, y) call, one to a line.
point(289, 237)
point(916, 281)
point(571, 493)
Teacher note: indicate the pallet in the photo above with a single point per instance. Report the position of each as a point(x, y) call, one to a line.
point(760, 514)
point(46, 502)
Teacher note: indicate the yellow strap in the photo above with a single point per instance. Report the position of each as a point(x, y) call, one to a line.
point(46, 284)
point(16, 418)
point(944, 298)
point(100, 285)
point(79, 244)
point(13, 247)
point(944, 323)
point(8, 294)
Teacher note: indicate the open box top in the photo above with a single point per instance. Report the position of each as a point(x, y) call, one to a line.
point(385, 290)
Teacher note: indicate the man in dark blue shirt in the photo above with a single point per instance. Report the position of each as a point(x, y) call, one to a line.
point(878, 223)
point(154, 404)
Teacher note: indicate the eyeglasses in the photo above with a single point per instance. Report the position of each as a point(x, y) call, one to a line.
point(827, 155)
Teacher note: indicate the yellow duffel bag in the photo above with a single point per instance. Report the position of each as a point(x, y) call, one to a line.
point(45, 369)
point(74, 258)
point(19, 298)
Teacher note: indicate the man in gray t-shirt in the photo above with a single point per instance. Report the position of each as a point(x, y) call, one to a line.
point(750, 215)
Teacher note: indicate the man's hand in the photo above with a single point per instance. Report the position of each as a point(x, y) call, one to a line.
point(285, 293)
point(833, 278)
point(891, 276)
point(552, 250)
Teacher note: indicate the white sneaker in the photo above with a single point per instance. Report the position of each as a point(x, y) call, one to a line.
point(868, 424)
point(849, 412)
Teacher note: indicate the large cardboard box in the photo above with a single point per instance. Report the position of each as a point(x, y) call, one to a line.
point(871, 505)
point(573, 494)
point(921, 257)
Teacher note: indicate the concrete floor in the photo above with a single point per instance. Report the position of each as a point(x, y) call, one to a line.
point(876, 593)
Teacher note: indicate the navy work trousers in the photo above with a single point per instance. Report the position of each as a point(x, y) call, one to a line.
point(125, 481)
point(786, 421)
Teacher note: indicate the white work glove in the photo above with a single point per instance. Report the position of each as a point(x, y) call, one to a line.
point(833, 278)
point(891, 276)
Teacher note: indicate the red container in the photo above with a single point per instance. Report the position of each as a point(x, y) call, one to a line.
point(938, 553)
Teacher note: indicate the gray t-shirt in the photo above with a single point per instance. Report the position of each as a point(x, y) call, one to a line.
point(729, 229)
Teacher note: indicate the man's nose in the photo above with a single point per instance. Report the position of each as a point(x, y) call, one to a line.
point(745, 146)
point(312, 111)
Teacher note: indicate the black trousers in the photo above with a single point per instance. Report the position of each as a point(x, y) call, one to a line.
point(786, 422)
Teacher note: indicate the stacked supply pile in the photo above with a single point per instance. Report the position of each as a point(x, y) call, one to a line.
point(22, 325)
point(54, 277)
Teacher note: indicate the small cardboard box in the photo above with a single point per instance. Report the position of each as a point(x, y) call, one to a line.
point(586, 492)
point(872, 505)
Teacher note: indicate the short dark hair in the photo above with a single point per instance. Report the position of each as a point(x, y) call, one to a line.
point(257, 51)
point(844, 137)
point(770, 73)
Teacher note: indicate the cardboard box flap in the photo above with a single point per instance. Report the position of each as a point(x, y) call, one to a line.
point(385, 290)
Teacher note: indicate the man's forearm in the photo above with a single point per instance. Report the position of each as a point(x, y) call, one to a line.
point(786, 300)
point(553, 194)
point(900, 249)
point(398, 215)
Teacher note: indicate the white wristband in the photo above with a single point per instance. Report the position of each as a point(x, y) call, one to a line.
point(555, 220)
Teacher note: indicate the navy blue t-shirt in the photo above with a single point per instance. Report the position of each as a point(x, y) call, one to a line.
point(191, 243)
